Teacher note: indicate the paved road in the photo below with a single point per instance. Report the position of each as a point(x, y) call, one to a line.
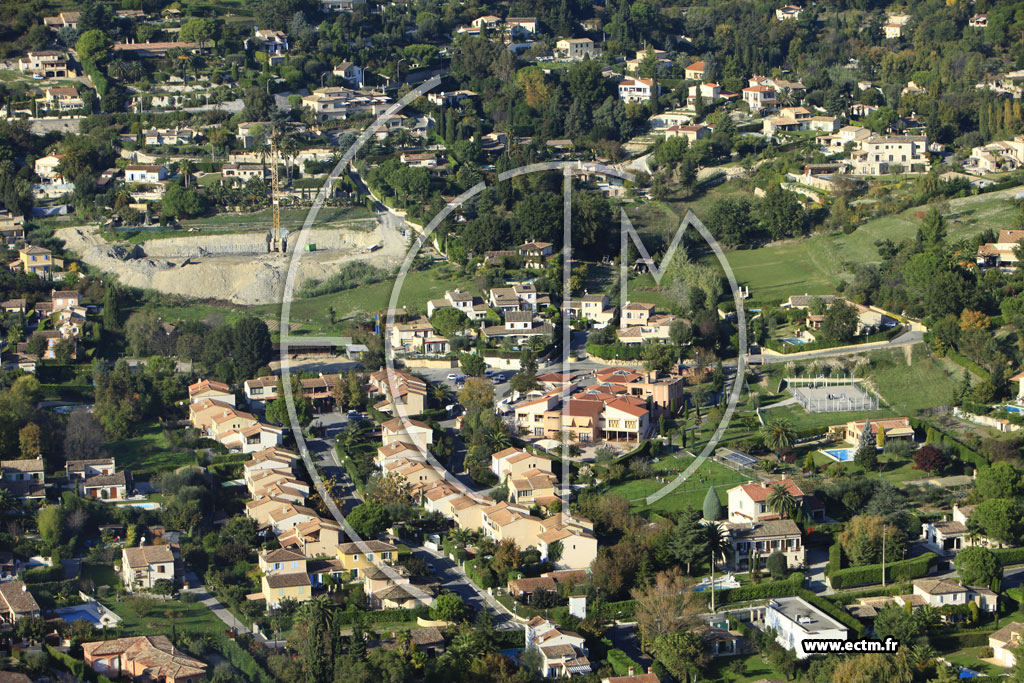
point(454, 579)
point(321, 450)
point(218, 609)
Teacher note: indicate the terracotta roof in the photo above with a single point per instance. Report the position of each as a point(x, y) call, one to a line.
point(760, 492)
point(371, 546)
point(288, 580)
point(281, 555)
point(148, 554)
point(155, 654)
point(17, 598)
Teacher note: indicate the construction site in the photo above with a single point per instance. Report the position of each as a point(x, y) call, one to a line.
point(232, 267)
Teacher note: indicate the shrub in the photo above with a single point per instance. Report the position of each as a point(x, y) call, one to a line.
point(763, 591)
point(904, 570)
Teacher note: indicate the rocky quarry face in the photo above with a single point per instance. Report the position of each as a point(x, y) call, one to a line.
point(234, 267)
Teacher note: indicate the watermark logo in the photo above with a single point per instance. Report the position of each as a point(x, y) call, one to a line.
point(568, 365)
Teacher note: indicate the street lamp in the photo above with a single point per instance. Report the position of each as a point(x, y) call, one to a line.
point(398, 71)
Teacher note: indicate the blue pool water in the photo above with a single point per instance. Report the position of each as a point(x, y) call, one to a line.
point(1013, 409)
point(704, 586)
point(70, 615)
point(840, 454)
point(144, 506)
point(794, 340)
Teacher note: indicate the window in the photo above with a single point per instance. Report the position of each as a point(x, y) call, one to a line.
point(280, 591)
point(295, 564)
point(161, 569)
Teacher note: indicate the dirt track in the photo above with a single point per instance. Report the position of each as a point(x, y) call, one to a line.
point(234, 268)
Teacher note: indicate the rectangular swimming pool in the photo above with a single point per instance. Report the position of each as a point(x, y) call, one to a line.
point(71, 614)
point(1012, 409)
point(795, 341)
point(840, 454)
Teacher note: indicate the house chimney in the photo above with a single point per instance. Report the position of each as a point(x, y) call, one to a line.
point(630, 672)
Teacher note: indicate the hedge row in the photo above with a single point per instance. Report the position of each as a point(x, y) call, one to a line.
point(779, 347)
point(384, 616)
point(241, 659)
point(621, 662)
point(764, 590)
point(835, 558)
point(1009, 556)
point(618, 351)
point(52, 574)
point(849, 597)
point(967, 363)
point(937, 436)
point(76, 667)
point(957, 642)
point(867, 575)
point(830, 609)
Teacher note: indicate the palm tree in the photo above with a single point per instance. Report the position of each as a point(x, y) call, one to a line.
point(118, 69)
point(185, 169)
point(289, 146)
point(7, 501)
point(786, 97)
point(498, 439)
point(135, 72)
point(439, 393)
point(718, 544)
point(781, 501)
point(778, 435)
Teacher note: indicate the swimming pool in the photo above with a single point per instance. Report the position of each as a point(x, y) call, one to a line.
point(795, 341)
point(840, 454)
point(72, 614)
point(1012, 409)
point(144, 506)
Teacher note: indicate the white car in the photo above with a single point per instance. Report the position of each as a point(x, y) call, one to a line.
point(452, 376)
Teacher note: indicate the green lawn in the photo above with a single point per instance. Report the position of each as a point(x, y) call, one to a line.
point(895, 471)
point(753, 668)
point(417, 288)
point(101, 575)
point(290, 218)
point(148, 453)
point(900, 383)
point(971, 658)
point(690, 494)
point(814, 265)
point(191, 617)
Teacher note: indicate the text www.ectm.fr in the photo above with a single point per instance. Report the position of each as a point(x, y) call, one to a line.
point(813, 647)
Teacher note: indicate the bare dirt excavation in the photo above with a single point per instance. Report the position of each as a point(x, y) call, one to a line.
point(231, 267)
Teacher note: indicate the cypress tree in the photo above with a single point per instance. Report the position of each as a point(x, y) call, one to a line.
point(712, 506)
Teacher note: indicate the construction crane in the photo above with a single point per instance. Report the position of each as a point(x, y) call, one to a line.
point(275, 240)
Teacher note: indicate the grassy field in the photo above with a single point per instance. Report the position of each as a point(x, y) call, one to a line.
point(690, 494)
point(164, 615)
point(743, 669)
point(892, 469)
point(816, 264)
point(290, 218)
point(148, 453)
point(418, 287)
